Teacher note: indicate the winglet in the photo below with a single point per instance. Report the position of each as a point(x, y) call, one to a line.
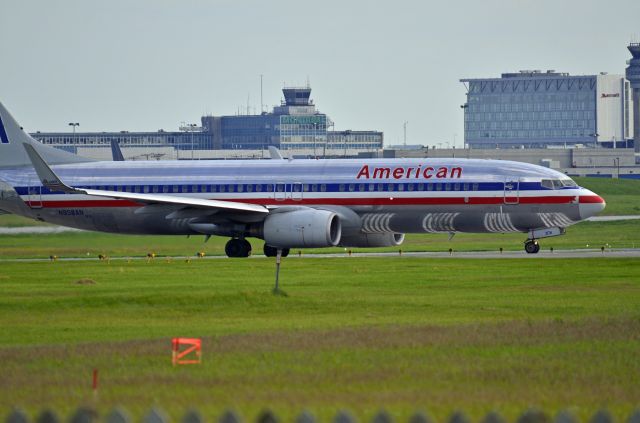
point(275, 153)
point(48, 178)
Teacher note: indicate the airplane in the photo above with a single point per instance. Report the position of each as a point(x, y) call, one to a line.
point(288, 203)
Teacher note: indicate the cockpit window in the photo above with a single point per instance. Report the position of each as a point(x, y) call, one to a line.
point(558, 183)
point(568, 183)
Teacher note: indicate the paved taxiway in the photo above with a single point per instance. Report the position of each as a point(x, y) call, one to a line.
point(556, 254)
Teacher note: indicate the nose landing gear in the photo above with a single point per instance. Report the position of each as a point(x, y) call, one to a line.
point(531, 246)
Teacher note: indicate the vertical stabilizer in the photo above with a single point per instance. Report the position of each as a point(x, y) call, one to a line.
point(12, 154)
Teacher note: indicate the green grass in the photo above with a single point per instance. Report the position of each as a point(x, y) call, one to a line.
point(362, 334)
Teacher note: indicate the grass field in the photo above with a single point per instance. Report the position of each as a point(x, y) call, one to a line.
point(361, 334)
point(400, 333)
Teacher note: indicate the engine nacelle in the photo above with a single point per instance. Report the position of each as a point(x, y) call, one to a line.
point(372, 240)
point(302, 229)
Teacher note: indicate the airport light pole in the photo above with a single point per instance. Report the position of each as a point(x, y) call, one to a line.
point(74, 124)
point(192, 126)
point(315, 133)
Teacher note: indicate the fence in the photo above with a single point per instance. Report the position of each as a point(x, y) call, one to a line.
point(86, 415)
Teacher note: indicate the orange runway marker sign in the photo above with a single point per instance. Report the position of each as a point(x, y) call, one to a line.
point(189, 355)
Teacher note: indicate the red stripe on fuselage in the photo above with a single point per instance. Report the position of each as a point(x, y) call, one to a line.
point(591, 199)
point(385, 201)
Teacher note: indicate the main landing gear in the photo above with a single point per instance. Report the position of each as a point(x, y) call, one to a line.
point(237, 247)
point(270, 251)
point(531, 246)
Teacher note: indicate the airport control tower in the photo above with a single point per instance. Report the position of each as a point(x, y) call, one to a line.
point(633, 76)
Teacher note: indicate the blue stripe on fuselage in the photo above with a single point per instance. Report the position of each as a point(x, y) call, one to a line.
point(258, 189)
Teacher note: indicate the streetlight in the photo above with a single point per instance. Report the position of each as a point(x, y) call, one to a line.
point(315, 132)
point(192, 126)
point(74, 124)
point(346, 140)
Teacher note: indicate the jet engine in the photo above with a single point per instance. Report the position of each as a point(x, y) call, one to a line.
point(372, 240)
point(302, 229)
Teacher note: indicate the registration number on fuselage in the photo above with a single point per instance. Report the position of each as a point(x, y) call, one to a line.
point(70, 212)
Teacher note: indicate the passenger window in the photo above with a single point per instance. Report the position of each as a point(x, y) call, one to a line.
point(146, 189)
point(203, 188)
point(341, 188)
point(456, 187)
point(400, 187)
point(314, 188)
point(372, 187)
point(465, 187)
point(174, 188)
point(380, 187)
point(410, 187)
point(241, 188)
point(249, 187)
point(323, 187)
point(305, 187)
point(155, 189)
point(352, 187)
point(231, 188)
point(259, 188)
point(476, 187)
point(165, 188)
point(361, 187)
point(223, 188)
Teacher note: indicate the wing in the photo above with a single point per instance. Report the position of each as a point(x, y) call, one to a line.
point(50, 180)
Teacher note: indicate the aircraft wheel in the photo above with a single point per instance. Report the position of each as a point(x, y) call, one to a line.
point(531, 246)
point(270, 251)
point(238, 248)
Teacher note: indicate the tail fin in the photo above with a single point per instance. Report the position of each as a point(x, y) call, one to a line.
point(12, 154)
point(116, 152)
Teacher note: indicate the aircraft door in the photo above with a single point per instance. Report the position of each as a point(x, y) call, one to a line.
point(512, 190)
point(296, 191)
point(280, 191)
point(34, 197)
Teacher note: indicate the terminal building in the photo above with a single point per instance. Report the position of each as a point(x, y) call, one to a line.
point(295, 126)
point(534, 109)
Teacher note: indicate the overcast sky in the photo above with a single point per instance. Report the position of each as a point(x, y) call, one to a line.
point(148, 64)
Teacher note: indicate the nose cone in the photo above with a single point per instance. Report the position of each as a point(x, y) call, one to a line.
point(590, 204)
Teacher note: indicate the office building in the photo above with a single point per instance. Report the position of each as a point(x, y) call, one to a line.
point(534, 109)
